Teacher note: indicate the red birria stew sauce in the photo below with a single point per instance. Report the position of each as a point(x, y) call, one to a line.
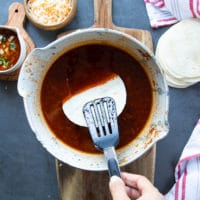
point(82, 68)
point(9, 49)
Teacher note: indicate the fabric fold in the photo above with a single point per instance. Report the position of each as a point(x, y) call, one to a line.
point(168, 12)
point(187, 172)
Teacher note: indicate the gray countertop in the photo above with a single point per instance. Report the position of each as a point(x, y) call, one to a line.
point(27, 171)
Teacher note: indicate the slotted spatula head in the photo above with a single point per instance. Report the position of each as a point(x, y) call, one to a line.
point(101, 119)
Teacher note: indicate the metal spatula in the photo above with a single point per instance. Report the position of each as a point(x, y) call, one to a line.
point(101, 119)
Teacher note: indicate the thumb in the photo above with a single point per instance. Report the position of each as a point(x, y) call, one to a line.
point(117, 188)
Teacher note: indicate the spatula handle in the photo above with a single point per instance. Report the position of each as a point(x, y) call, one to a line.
point(111, 158)
point(113, 168)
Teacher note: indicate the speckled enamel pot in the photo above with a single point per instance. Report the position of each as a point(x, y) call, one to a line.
point(36, 66)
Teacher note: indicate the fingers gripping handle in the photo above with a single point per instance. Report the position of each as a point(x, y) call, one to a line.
point(113, 168)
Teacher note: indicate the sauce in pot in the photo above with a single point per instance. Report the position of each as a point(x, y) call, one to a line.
point(87, 66)
point(9, 49)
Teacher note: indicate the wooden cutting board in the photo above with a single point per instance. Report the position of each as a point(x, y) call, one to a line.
point(16, 18)
point(85, 185)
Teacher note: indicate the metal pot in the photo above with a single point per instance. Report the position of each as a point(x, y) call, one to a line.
point(38, 63)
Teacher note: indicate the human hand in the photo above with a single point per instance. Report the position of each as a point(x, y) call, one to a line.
point(132, 186)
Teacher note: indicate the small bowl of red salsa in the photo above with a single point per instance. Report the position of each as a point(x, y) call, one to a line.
point(12, 49)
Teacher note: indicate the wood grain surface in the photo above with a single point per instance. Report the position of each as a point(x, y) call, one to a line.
point(16, 18)
point(85, 185)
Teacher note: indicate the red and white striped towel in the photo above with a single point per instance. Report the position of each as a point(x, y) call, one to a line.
point(187, 172)
point(167, 12)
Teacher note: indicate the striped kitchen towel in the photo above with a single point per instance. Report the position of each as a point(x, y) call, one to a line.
point(187, 172)
point(167, 12)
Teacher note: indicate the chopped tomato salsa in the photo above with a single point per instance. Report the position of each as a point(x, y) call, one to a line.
point(9, 49)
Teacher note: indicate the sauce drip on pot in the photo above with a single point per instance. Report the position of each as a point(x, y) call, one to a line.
point(87, 66)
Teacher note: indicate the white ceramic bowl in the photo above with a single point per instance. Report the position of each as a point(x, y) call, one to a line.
point(22, 50)
point(38, 63)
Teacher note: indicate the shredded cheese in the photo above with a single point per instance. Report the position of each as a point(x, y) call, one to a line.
point(49, 12)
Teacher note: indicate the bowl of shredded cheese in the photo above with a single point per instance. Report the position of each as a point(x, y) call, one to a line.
point(50, 14)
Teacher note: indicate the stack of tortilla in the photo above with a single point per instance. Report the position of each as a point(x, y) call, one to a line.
point(178, 53)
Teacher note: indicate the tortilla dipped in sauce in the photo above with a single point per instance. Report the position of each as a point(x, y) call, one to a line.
point(86, 66)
